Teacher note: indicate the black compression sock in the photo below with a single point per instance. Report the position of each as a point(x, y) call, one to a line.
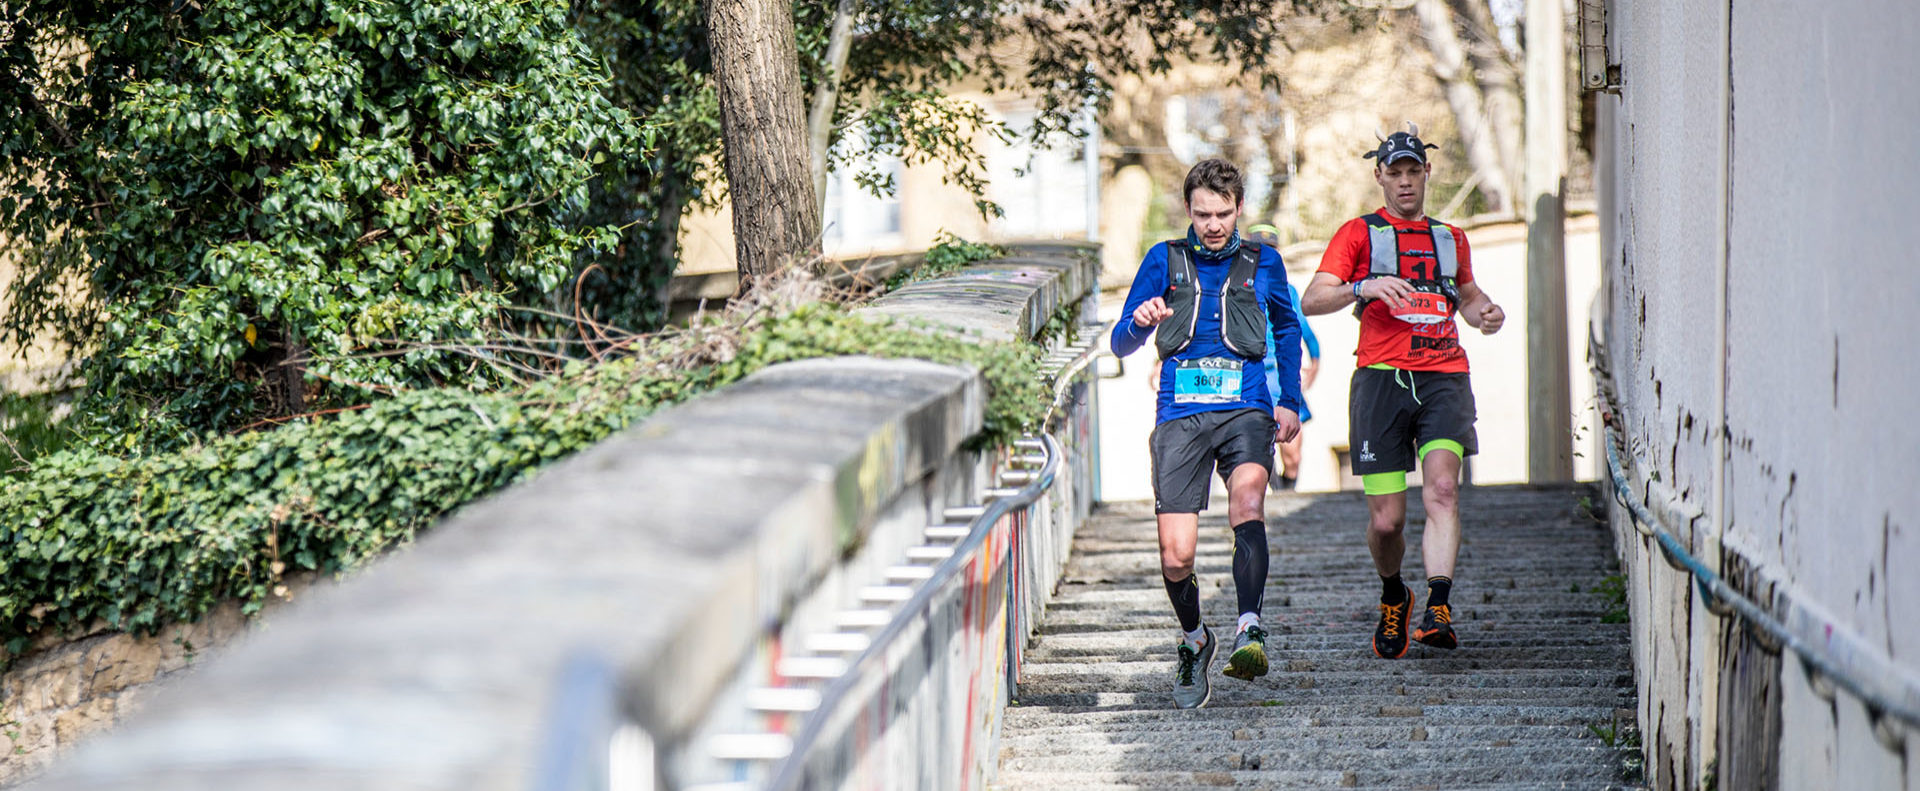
point(1186, 601)
point(1392, 590)
point(1437, 590)
point(1250, 564)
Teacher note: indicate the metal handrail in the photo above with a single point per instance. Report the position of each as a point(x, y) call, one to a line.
point(1063, 379)
point(792, 770)
point(1721, 598)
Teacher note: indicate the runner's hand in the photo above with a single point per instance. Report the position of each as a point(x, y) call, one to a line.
point(1391, 289)
point(1491, 319)
point(1151, 313)
point(1286, 424)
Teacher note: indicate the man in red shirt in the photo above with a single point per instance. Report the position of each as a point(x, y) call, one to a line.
point(1410, 399)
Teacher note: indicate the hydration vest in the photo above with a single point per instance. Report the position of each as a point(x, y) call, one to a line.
point(1243, 324)
point(1384, 261)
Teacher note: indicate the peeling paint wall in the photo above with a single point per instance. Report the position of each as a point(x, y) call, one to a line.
point(1822, 309)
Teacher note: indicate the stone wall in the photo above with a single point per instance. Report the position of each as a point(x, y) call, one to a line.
point(70, 686)
point(1761, 146)
point(66, 687)
point(669, 555)
point(66, 690)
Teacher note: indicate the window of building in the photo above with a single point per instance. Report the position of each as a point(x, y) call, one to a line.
point(1043, 191)
point(857, 221)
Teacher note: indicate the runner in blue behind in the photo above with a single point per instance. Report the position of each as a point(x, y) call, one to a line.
point(1287, 472)
point(1213, 304)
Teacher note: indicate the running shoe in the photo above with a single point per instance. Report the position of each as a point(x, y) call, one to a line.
point(1390, 636)
point(1280, 483)
point(1436, 628)
point(1249, 658)
point(1190, 687)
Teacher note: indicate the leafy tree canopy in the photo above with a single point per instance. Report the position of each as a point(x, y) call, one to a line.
point(1065, 55)
point(202, 192)
point(907, 57)
point(248, 207)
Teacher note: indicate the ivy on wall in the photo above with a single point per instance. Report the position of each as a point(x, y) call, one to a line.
point(145, 541)
point(948, 255)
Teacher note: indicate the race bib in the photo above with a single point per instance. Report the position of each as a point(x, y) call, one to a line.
point(1423, 307)
point(1208, 380)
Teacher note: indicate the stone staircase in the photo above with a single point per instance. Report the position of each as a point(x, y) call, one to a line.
point(1538, 696)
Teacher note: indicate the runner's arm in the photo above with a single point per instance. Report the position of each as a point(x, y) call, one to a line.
point(1306, 330)
point(1148, 283)
point(1478, 310)
point(1285, 321)
point(1325, 294)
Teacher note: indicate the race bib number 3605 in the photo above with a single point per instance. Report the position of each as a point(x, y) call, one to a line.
point(1208, 380)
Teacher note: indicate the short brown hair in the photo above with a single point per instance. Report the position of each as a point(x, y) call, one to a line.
point(1217, 175)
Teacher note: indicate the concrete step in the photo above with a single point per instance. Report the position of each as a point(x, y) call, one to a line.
point(1158, 678)
point(1331, 650)
point(1249, 695)
point(1578, 759)
point(1576, 774)
point(1283, 715)
point(1509, 709)
point(1296, 738)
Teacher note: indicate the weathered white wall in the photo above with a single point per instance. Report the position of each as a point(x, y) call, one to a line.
point(1823, 449)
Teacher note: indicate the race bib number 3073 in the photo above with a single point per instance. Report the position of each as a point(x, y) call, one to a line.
point(1208, 380)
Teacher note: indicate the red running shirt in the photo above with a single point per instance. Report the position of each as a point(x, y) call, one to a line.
point(1383, 338)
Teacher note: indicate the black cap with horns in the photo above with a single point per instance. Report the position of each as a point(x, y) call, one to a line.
point(1400, 145)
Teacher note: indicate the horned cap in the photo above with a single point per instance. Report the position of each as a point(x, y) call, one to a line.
point(1399, 145)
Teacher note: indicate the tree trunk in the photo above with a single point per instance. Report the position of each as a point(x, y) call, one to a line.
point(1499, 83)
point(287, 379)
point(756, 69)
point(826, 98)
point(666, 241)
point(1463, 95)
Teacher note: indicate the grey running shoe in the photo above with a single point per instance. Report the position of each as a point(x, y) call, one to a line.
point(1281, 483)
point(1249, 658)
point(1190, 687)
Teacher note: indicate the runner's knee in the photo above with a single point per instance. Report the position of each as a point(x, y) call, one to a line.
point(1386, 525)
point(1441, 492)
point(1175, 567)
point(1246, 504)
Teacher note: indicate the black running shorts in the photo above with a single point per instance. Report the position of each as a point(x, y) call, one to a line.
point(1185, 449)
point(1393, 413)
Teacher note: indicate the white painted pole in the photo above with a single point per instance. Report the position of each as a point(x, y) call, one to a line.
point(1549, 399)
point(1091, 154)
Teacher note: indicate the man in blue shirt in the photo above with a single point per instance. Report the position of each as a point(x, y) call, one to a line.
point(1213, 304)
point(1287, 473)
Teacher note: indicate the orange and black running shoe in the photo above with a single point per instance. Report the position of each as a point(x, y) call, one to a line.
point(1390, 635)
point(1436, 628)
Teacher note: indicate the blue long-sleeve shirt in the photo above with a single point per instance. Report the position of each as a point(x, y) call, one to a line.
point(1306, 331)
point(1313, 350)
point(1270, 281)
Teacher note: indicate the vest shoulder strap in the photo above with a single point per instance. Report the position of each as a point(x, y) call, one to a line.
point(1179, 257)
point(1180, 264)
point(1246, 264)
point(1384, 246)
point(1444, 250)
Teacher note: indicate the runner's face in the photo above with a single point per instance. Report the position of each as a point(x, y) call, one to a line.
point(1404, 184)
point(1213, 216)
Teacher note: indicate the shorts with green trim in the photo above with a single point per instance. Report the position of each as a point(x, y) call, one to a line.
point(1185, 449)
point(1393, 413)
